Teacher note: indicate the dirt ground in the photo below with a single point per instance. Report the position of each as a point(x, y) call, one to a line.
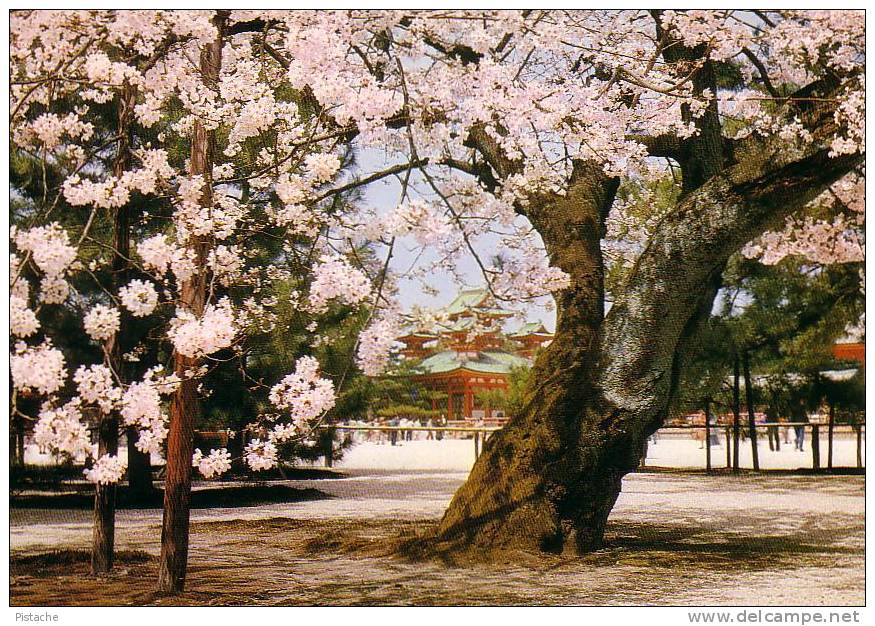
point(672, 540)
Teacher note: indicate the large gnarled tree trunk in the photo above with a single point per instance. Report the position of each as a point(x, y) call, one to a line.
point(550, 478)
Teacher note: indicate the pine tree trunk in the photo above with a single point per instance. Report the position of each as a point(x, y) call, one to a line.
point(105, 495)
point(751, 416)
point(177, 484)
point(140, 484)
point(831, 428)
point(736, 415)
point(184, 406)
point(103, 535)
point(707, 435)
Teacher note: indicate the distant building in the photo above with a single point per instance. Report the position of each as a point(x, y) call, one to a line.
point(850, 352)
point(470, 352)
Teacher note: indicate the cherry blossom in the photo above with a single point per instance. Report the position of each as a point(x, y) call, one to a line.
point(303, 394)
point(41, 368)
point(49, 247)
point(63, 429)
point(479, 114)
point(260, 455)
point(157, 253)
point(139, 297)
point(213, 331)
point(95, 385)
point(375, 345)
point(335, 279)
point(22, 321)
point(107, 469)
point(102, 322)
point(216, 463)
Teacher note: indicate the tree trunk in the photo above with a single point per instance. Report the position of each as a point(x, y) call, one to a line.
point(525, 490)
point(140, 484)
point(736, 415)
point(831, 428)
point(708, 435)
point(549, 479)
point(103, 535)
point(105, 495)
point(751, 416)
point(177, 483)
point(184, 406)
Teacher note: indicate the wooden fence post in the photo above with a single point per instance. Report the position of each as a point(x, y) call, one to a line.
point(815, 446)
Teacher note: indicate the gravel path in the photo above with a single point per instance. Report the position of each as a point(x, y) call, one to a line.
point(673, 539)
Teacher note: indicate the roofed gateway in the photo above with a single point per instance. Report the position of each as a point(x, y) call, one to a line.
point(469, 352)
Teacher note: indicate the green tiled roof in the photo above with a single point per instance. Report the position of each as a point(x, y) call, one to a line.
point(413, 331)
point(530, 328)
point(489, 362)
point(466, 299)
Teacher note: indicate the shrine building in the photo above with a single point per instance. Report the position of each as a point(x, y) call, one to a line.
point(468, 352)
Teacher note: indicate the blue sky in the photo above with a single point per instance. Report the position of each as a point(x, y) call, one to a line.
point(383, 196)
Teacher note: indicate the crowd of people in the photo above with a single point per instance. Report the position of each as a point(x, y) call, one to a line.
point(777, 428)
point(410, 429)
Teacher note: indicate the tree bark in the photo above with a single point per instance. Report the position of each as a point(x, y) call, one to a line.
point(140, 484)
point(751, 416)
point(103, 538)
point(830, 432)
point(184, 406)
point(736, 415)
point(707, 435)
point(522, 492)
point(103, 535)
point(549, 479)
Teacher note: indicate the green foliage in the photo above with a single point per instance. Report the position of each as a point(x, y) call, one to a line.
point(786, 317)
point(510, 401)
point(398, 395)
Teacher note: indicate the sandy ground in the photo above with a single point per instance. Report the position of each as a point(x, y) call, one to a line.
point(673, 448)
point(673, 539)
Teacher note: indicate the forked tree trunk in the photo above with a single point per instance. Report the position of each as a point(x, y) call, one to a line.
point(103, 538)
point(184, 406)
point(524, 490)
point(550, 478)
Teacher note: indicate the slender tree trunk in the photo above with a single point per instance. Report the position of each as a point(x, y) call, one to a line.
point(140, 484)
point(830, 429)
point(184, 406)
point(103, 540)
point(708, 435)
point(103, 537)
point(16, 441)
point(736, 415)
point(751, 416)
